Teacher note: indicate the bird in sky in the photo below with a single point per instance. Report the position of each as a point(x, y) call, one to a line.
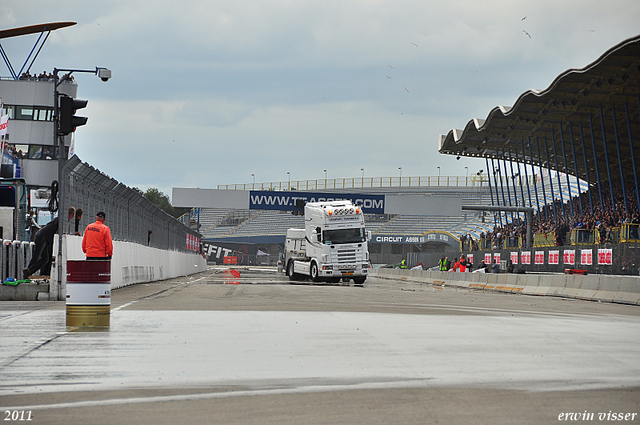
point(406, 89)
point(392, 67)
point(387, 76)
point(528, 35)
point(523, 18)
point(414, 44)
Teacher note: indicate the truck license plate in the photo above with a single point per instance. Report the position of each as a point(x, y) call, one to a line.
point(347, 273)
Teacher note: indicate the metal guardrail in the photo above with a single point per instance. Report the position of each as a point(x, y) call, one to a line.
point(130, 216)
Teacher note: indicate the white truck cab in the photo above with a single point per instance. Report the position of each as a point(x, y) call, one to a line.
point(331, 247)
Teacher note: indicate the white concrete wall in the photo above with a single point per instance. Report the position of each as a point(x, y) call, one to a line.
point(595, 287)
point(131, 263)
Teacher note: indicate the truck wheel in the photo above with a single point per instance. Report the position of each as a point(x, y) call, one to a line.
point(359, 280)
point(314, 272)
point(290, 273)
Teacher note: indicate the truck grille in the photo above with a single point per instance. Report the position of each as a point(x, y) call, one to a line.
point(347, 256)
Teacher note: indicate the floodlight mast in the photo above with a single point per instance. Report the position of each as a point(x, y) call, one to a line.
point(104, 74)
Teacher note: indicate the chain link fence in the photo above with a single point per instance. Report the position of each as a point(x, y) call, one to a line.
point(130, 216)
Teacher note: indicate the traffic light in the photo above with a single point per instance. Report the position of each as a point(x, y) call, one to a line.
point(67, 120)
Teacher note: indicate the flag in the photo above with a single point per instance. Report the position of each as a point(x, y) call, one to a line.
point(3, 124)
point(72, 147)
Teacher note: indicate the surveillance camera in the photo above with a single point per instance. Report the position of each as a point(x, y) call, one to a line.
point(104, 74)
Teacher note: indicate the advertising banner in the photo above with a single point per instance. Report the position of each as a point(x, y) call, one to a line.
point(286, 201)
point(569, 256)
point(525, 257)
point(605, 257)
point(586, 257)
point(216, 252)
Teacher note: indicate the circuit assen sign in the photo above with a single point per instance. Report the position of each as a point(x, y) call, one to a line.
point(286, 201)
point(416, 239)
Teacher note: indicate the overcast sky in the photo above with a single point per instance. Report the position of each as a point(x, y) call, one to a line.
point(208, 92)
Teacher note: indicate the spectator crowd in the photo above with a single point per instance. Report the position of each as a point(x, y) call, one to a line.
point(556, 221)
point(44, 76)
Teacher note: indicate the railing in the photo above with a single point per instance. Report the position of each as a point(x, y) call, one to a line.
point(544, 239)
point(630, 232)
point(365, 182)
point(584, 237)
point(513, 242)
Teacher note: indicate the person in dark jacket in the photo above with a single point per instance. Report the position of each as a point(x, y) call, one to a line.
point(42, 254)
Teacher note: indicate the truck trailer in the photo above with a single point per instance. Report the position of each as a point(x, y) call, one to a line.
point(332, 246)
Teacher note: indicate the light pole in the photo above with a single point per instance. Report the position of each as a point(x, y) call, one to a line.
point(253, 176)
point(400, 168)
point(288, 180)
point(466, 177)
point(325, 178)
point(104, 74)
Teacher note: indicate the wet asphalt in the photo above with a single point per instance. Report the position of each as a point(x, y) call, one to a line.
point(246, 346)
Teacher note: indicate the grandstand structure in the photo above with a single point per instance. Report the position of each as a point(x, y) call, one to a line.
point(394, 235)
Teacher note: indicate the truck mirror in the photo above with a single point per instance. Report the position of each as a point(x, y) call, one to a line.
point(369, 237)
point(319, 233)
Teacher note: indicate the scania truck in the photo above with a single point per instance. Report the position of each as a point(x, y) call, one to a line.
point(331, 247)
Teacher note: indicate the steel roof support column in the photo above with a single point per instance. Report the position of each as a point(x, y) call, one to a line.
point(566, 170)
point(586, 168)
point(496, 183)
point(513, 180)
point(606, 158)
point(575, 166)
point(544, 192)
point(633, 160)
point(555, 158)
point(8, 63)
point(533, 173)
point(553, 197)
point(520, 175)
point(595, 160)
point(504, 163)
point(615, 132)
point(486, 159)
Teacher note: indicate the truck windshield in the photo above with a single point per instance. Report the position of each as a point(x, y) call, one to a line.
point(355, 235)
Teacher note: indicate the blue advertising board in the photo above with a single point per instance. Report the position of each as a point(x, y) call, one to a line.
point(286, 201)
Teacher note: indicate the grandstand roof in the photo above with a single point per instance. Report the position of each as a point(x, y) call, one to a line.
point(572, 111)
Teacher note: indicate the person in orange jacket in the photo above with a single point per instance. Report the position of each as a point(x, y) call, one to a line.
point(96, 242)
point(456, 266)
point(463, 263)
